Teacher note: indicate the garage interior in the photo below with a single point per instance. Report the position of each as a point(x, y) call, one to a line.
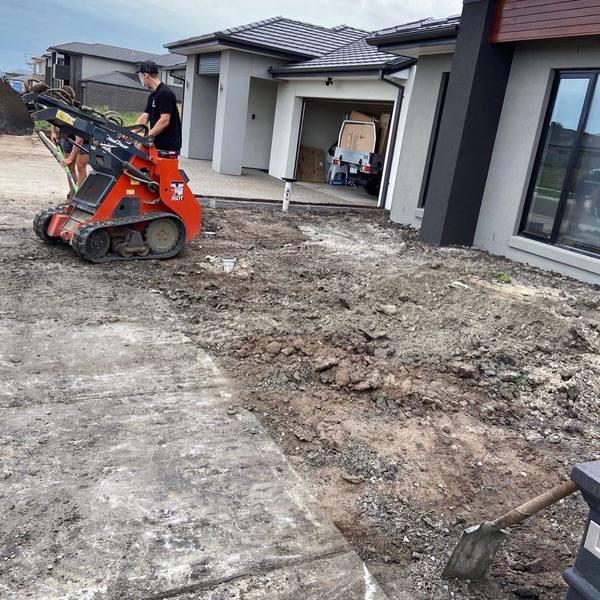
point(320, 128)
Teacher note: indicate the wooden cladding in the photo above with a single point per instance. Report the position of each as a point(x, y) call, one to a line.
point(520, 20)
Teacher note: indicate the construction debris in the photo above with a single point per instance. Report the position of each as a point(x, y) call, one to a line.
point(14, 117)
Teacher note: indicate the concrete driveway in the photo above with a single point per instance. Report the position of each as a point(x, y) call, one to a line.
point(258, 185)
point(126, 469)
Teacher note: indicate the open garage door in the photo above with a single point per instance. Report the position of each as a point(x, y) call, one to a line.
point(323, 164)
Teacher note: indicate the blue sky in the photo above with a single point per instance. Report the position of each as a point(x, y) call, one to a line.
point(30, 26)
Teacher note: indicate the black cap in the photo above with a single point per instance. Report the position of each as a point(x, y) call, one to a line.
point(148, 66)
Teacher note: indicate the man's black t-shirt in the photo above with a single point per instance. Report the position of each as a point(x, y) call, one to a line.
point(162, 100)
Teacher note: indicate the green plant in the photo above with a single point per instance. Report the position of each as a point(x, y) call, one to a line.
point(129, 118)
point(502, 277)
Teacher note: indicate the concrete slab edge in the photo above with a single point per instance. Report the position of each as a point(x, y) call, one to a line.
point(217, 202)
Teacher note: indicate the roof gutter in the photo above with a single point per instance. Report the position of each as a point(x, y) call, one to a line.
point(74, 53)
point(348, 70)
point(412, 38)
point(235, 43)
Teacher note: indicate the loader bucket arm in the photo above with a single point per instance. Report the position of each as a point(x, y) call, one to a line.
point(14, 116)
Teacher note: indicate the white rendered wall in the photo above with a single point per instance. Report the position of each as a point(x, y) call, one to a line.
point(232, 106)
point(322, 122)
point(259, 123)
point(413, 144)
point(394, 153)
point(92, 66)
point(519, 130)
point(289, 110)
point(199, 112)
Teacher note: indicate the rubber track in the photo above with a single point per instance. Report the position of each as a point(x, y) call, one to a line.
point(38, 228)
point(82, 234)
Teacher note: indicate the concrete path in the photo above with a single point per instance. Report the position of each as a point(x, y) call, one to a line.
point(125, 471)
point(257, 185)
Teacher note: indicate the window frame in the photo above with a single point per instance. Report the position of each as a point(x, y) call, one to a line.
point(593, 81)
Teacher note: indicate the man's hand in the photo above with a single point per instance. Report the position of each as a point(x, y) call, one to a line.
point(54, 135)
point(67, 161)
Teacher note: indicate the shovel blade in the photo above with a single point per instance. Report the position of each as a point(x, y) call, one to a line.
point(474, 552)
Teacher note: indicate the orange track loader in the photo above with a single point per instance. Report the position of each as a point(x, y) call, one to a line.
point(136, 202)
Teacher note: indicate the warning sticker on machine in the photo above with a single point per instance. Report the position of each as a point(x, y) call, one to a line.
point(177, 191)
point(64, 117)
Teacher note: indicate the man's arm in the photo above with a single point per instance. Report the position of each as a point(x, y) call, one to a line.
point(161, 124)
point(143, 119)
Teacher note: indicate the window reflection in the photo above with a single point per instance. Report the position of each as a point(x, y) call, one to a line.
point(564, 207)
point(580, 227)
point(558, 147)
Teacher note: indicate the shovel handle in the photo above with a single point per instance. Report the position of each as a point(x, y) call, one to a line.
point(519, 514)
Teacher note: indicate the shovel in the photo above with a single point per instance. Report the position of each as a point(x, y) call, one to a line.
point(59, 156)
point(478, 544)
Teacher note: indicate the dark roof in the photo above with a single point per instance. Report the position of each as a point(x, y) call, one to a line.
point(357, 56)
point(105, 51)
point(416, 31)
point(285, 36)
point(118, 78)
point(170, 59)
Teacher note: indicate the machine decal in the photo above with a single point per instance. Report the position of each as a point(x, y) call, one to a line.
point(177, 191)
point(64, 117)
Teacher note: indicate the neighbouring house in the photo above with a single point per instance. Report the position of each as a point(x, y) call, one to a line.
point(17, 78)
point(104, 75)
point(172, 71)
point(501, 148)
point(256, 94)
point(117, 90)
point(41, 67)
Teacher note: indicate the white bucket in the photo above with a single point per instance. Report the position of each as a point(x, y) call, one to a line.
point(228, 264)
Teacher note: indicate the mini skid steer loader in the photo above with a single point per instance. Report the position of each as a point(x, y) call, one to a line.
point(136, 202)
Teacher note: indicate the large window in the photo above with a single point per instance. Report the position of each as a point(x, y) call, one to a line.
point(563, 206)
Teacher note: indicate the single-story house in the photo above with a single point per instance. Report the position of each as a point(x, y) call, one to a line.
point(314, 97)
point(172, 71)
point(117, 90)
point(17, 78)
point(255, 94)
point(501, 148)
point(104, 75)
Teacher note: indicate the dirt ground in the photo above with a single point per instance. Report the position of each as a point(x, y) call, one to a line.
point(416, 389)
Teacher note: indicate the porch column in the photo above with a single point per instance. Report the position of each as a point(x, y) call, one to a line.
point(468, 128)
point(199, 109)
point(232, 109)
point(286, 132)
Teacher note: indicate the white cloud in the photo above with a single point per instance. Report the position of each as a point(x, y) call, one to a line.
point(148, 24)
point(177, 19)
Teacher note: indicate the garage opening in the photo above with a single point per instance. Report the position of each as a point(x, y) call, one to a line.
point(347, 167)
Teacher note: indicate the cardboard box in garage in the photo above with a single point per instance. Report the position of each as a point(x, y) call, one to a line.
point(359, 136)
point(384, 132)
point(356, 115)
point(311, 164)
